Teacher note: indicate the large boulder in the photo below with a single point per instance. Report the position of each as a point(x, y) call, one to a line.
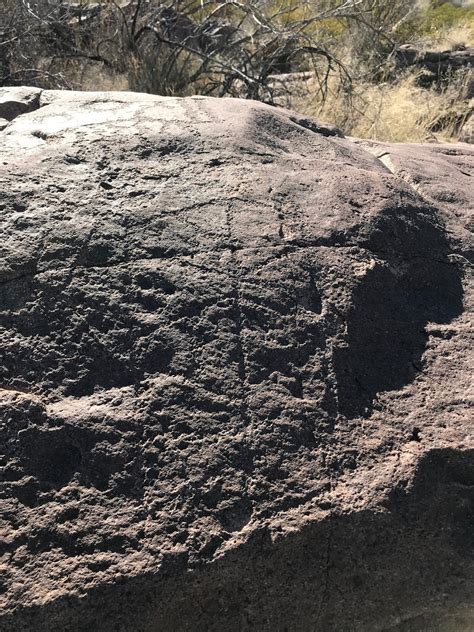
point(438, 64)
point(234, 371)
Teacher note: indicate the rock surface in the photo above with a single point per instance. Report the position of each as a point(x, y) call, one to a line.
point(234, 371)
point(437, 63)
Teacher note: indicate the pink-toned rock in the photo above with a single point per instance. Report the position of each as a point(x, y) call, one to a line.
point(234, 371)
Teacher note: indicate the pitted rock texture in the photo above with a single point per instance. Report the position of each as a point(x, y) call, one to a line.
point(234, 371)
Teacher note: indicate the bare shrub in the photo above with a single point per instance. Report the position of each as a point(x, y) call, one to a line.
point(397, 111)
point(329, 58)
point(231, 47)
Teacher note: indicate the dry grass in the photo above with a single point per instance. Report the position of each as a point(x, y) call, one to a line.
point(401, 110)
point(397, 112)
point(450, 38)
point(443, 35)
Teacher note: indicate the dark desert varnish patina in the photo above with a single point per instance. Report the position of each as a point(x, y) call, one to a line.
point(234, 369)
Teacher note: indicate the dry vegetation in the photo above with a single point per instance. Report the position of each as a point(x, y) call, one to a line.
point(399, 110)
point(399, 105)
point(335, 59)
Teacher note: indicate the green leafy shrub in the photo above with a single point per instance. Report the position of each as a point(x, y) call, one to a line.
point(441, 17)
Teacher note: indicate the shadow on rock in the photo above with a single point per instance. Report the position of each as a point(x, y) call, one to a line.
point(360, 571)
point(414, 284)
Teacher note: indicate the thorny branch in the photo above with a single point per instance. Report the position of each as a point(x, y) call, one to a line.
point(222, 48)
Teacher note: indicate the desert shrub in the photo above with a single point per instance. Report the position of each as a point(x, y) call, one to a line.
point(343, 49)
point(219, 48)
point(443, 16)
point(395, 111)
